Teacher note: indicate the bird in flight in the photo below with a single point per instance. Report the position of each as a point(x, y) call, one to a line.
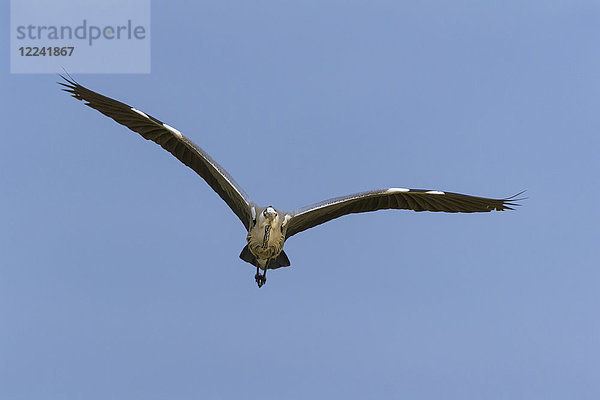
point(268, 227)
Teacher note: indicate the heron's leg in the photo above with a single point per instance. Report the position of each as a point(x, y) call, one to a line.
point(258, 277)
point(261, 279)
point(264, 276)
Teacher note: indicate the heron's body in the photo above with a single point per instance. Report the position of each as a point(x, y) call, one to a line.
point(266, 237)
point(268, 228)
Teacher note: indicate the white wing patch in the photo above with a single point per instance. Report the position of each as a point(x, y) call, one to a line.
point(397, 190)
point(169, 127)
point(435, 192)
point(143, 114)
point(175, 131)
point(286, 220)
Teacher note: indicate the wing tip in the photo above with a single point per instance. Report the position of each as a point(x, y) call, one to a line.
point(70, 85)
point(70, 81)
point(512, 201)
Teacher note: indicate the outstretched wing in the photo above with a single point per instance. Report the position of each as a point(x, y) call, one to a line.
point(393, 198)
point(174, 142)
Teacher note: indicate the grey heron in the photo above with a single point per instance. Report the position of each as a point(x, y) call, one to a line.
point(268, 227)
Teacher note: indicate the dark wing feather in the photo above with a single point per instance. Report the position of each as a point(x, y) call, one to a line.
point(174, 142)
point(393, 198)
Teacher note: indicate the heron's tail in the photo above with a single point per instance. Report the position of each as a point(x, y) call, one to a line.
point(280, 261)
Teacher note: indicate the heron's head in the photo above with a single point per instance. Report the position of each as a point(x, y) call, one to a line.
point(269, 213)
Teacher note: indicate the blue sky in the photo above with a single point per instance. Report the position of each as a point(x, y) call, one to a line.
point(119, 268)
